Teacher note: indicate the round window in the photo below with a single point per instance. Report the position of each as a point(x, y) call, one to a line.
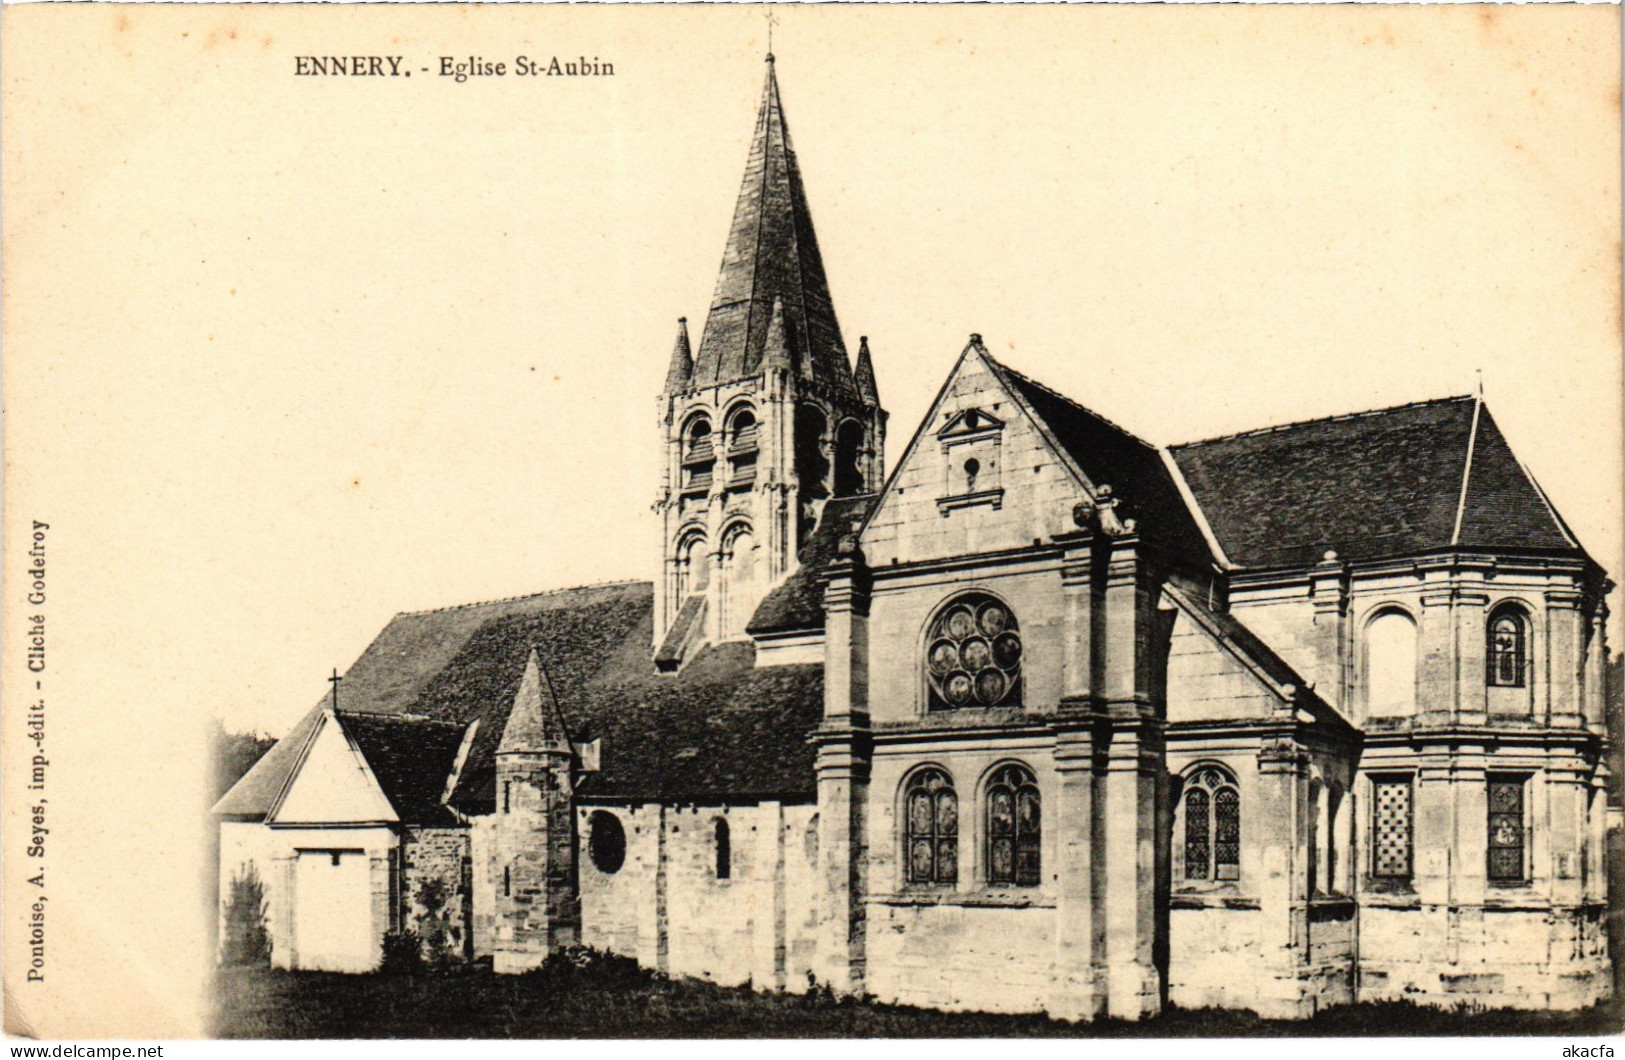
point(973, 655)
point(606, 842)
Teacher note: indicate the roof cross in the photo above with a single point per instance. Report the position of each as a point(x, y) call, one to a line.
point(772, 20)
point(334, 680)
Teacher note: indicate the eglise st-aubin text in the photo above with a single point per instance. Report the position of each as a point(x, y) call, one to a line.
point(458, 68)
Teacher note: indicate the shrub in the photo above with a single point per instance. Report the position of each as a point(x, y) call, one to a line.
point(246, 940)
point(403, 952)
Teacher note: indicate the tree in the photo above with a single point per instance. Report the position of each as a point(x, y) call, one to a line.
point(246, 939)
point(234, 753)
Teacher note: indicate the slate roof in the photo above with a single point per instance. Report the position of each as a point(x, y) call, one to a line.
point(797, 603)
point(683, 627)
point(1370, 485)
point(772, 253)
point(720, 729)
point(1110, 455)
point(411, 757)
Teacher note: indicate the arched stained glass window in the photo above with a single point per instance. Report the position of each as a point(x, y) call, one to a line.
point(1212, 827)
point(973, 655)
point(1014, 824)
point(1507, 649)
point(932, 818)
point(1198, 832)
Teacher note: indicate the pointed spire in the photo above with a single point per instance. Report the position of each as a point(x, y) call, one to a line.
point(776, 354)
point(682, 361)
point(535, 723)
point(863, 376)
point(771, 254)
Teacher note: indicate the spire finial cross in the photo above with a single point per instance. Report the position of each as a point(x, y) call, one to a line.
point(772, 20)
point(334, 681)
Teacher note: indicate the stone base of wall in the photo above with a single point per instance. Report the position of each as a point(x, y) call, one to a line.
point(1523, 959)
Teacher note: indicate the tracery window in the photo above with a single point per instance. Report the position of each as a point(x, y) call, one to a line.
point(1507, 649)
point(973, 655)
point(1506, 861)
point(1014, 826)
point(1391, 829)
point(1212, 827)
point(931, 810)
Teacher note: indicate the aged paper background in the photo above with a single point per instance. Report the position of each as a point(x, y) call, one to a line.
point(286, 355)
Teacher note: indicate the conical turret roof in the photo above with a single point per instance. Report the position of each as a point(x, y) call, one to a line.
point(682, 360)
point(535, 723)
point(863, 376)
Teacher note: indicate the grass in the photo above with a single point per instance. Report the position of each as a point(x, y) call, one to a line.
point(616, 999)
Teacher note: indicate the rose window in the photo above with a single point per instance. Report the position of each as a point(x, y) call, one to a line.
point(973, 658)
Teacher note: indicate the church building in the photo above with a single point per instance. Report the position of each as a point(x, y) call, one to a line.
point(1050, 718)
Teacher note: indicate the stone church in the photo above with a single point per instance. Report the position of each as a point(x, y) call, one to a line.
point(1049, 719)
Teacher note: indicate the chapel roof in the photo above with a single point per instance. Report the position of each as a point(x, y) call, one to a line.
point(1416, 478)
point(720, 729)
point(411, 757)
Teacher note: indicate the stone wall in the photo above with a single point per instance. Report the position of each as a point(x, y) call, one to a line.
point(437, 891)
point(1215, 952)
point(666, 907)
point(967, 953)
point(485, 877)
point(1536, 957)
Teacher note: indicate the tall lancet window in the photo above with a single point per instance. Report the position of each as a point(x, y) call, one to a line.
point(693, 572)
point(1212, 826)
point(849, 458)
point(931, 814)
point(1390, 664)
point(1013, 827)
point(724, 850)
point(739, 578)
point(1508, 654)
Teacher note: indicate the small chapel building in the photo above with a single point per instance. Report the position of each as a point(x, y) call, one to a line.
point(1049, 719)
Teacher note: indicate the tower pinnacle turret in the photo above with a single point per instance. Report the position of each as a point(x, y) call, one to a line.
point(681, 370)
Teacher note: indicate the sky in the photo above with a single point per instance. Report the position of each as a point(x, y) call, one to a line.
point(399, 347)
point(288, 355)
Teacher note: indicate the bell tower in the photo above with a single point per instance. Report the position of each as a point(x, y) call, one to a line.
point(767, 421)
